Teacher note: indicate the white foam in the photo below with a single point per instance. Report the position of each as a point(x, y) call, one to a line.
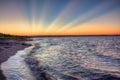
point(15, 68)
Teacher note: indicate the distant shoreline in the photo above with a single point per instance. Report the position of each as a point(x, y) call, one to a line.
point(18, 36)
point(75, 36)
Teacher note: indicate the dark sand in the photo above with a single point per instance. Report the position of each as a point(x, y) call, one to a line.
point(8, 47)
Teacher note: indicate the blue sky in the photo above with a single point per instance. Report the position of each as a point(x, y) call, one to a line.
point(57, 12)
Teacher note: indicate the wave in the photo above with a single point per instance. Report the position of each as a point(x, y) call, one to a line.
point(66, 58)
point(16, 69)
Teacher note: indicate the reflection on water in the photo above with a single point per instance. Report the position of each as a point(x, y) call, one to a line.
point(74, 58)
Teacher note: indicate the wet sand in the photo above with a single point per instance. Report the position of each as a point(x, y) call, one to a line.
point(8, 47)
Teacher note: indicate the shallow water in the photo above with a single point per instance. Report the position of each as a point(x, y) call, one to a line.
point(67, 58)
point(16, 69)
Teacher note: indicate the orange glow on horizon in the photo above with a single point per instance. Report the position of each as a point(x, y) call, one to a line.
point(32, 21)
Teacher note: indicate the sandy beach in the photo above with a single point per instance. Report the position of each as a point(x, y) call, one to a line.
point(9, 47)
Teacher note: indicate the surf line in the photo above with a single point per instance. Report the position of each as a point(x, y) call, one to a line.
point(37, 70)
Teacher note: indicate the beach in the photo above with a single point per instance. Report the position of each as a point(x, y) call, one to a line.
point(61, 58)
point(8, 48)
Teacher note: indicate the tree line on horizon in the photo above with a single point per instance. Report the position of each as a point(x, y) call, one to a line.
point(7, 35)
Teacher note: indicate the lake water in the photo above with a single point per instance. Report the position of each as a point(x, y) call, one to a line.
point(66, 58)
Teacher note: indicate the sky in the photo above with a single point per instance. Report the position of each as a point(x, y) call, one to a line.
point(60, 17)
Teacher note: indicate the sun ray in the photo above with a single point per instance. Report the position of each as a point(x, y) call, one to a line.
point(43, 13)
point(54, 17)
point(63, 14)
point(94, 11)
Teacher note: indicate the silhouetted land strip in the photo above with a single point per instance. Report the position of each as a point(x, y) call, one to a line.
point(74, 35)
point(13, 36)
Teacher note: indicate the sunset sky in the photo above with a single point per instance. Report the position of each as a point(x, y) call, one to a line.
point(60, 17)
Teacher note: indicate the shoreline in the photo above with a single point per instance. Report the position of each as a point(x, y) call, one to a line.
point(9, 47)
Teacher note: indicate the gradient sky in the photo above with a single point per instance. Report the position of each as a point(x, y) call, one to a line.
point(59, 17)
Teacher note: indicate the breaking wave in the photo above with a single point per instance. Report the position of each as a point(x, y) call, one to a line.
point(66, 58)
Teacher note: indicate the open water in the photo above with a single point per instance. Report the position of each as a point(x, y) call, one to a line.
point(66, 58)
